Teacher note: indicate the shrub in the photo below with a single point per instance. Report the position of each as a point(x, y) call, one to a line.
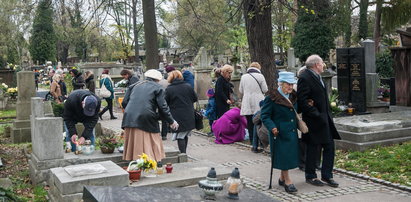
point(58, 109)
point(384, 63)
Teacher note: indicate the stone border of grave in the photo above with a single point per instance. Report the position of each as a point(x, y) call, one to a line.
point(339, 170)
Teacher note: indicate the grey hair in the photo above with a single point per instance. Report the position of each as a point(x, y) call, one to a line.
point(280, 83)
point(313, 60)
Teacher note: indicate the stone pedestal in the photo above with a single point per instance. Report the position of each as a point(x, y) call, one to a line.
point(369, 53)
point(21, 126)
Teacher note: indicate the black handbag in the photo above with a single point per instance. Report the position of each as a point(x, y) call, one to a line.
point(198, 116)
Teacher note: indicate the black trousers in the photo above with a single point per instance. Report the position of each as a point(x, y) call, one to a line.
point(250, 127)
point(109, 107)
point(164, 128)
point(303, 154)
point(328, 151)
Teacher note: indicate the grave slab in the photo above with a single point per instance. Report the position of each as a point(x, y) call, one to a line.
point(184, 174)
point(165, 194)
point(361, 132)
point(40, 169)
point(67, 187)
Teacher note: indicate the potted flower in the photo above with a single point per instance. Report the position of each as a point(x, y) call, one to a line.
point(108, 144)
point(384, 93)
point(144, 163)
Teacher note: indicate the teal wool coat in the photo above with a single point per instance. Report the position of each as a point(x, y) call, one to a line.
point(109, 85)
point(278, 113)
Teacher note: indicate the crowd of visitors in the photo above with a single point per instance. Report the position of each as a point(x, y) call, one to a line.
point(269, 115)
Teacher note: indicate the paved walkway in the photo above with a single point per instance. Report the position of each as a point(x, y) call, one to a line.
point(255, 171)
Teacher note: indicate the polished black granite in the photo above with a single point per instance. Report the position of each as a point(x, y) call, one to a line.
point(162, 194)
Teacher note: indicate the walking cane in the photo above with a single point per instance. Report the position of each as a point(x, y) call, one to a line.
point(271, 174)
point(272, 164)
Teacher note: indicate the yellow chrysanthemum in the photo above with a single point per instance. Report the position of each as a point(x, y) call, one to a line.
point(312, 12)
point(302, 6)
point(144, 156)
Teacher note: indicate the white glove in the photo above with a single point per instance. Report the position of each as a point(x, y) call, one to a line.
point(174, 125)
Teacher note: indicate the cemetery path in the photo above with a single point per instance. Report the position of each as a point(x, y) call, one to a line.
point(255, 171)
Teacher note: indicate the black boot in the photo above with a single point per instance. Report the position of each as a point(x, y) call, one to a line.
point(111, 113)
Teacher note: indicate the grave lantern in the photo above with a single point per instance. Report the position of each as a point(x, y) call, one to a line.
point(234, 185)
point(210, 185)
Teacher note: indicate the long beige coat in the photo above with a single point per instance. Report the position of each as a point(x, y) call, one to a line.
point(251, 91)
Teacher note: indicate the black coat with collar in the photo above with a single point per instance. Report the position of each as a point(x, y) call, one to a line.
point(318, 117)
point(180, 97)
point(73, 113)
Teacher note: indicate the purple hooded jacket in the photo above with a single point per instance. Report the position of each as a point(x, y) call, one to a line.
point(230, 127)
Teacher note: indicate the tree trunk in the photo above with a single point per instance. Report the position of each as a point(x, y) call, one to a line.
point(257, 14)
point(136, 46)
point(150, 34)
point(363, 25)
point(377, 26)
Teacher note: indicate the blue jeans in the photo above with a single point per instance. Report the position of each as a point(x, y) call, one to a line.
point(68, 137)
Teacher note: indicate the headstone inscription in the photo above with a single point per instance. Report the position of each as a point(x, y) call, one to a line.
point(351, 77)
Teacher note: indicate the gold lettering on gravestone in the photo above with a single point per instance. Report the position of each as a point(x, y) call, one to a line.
point(355, 70)
point(342, 66)
point(356, 85)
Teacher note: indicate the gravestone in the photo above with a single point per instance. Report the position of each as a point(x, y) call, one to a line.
point(202, 74)
point(372, 79)
point(359, 133)
point(351, 77)
point(291, 60)
point(21, 126)
point(46, 133)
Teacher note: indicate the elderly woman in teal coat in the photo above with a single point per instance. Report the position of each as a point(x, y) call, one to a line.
point(278, 115)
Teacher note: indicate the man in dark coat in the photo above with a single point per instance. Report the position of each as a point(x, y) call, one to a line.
point(128, 75)
point(322, 131)
point(81, 106)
